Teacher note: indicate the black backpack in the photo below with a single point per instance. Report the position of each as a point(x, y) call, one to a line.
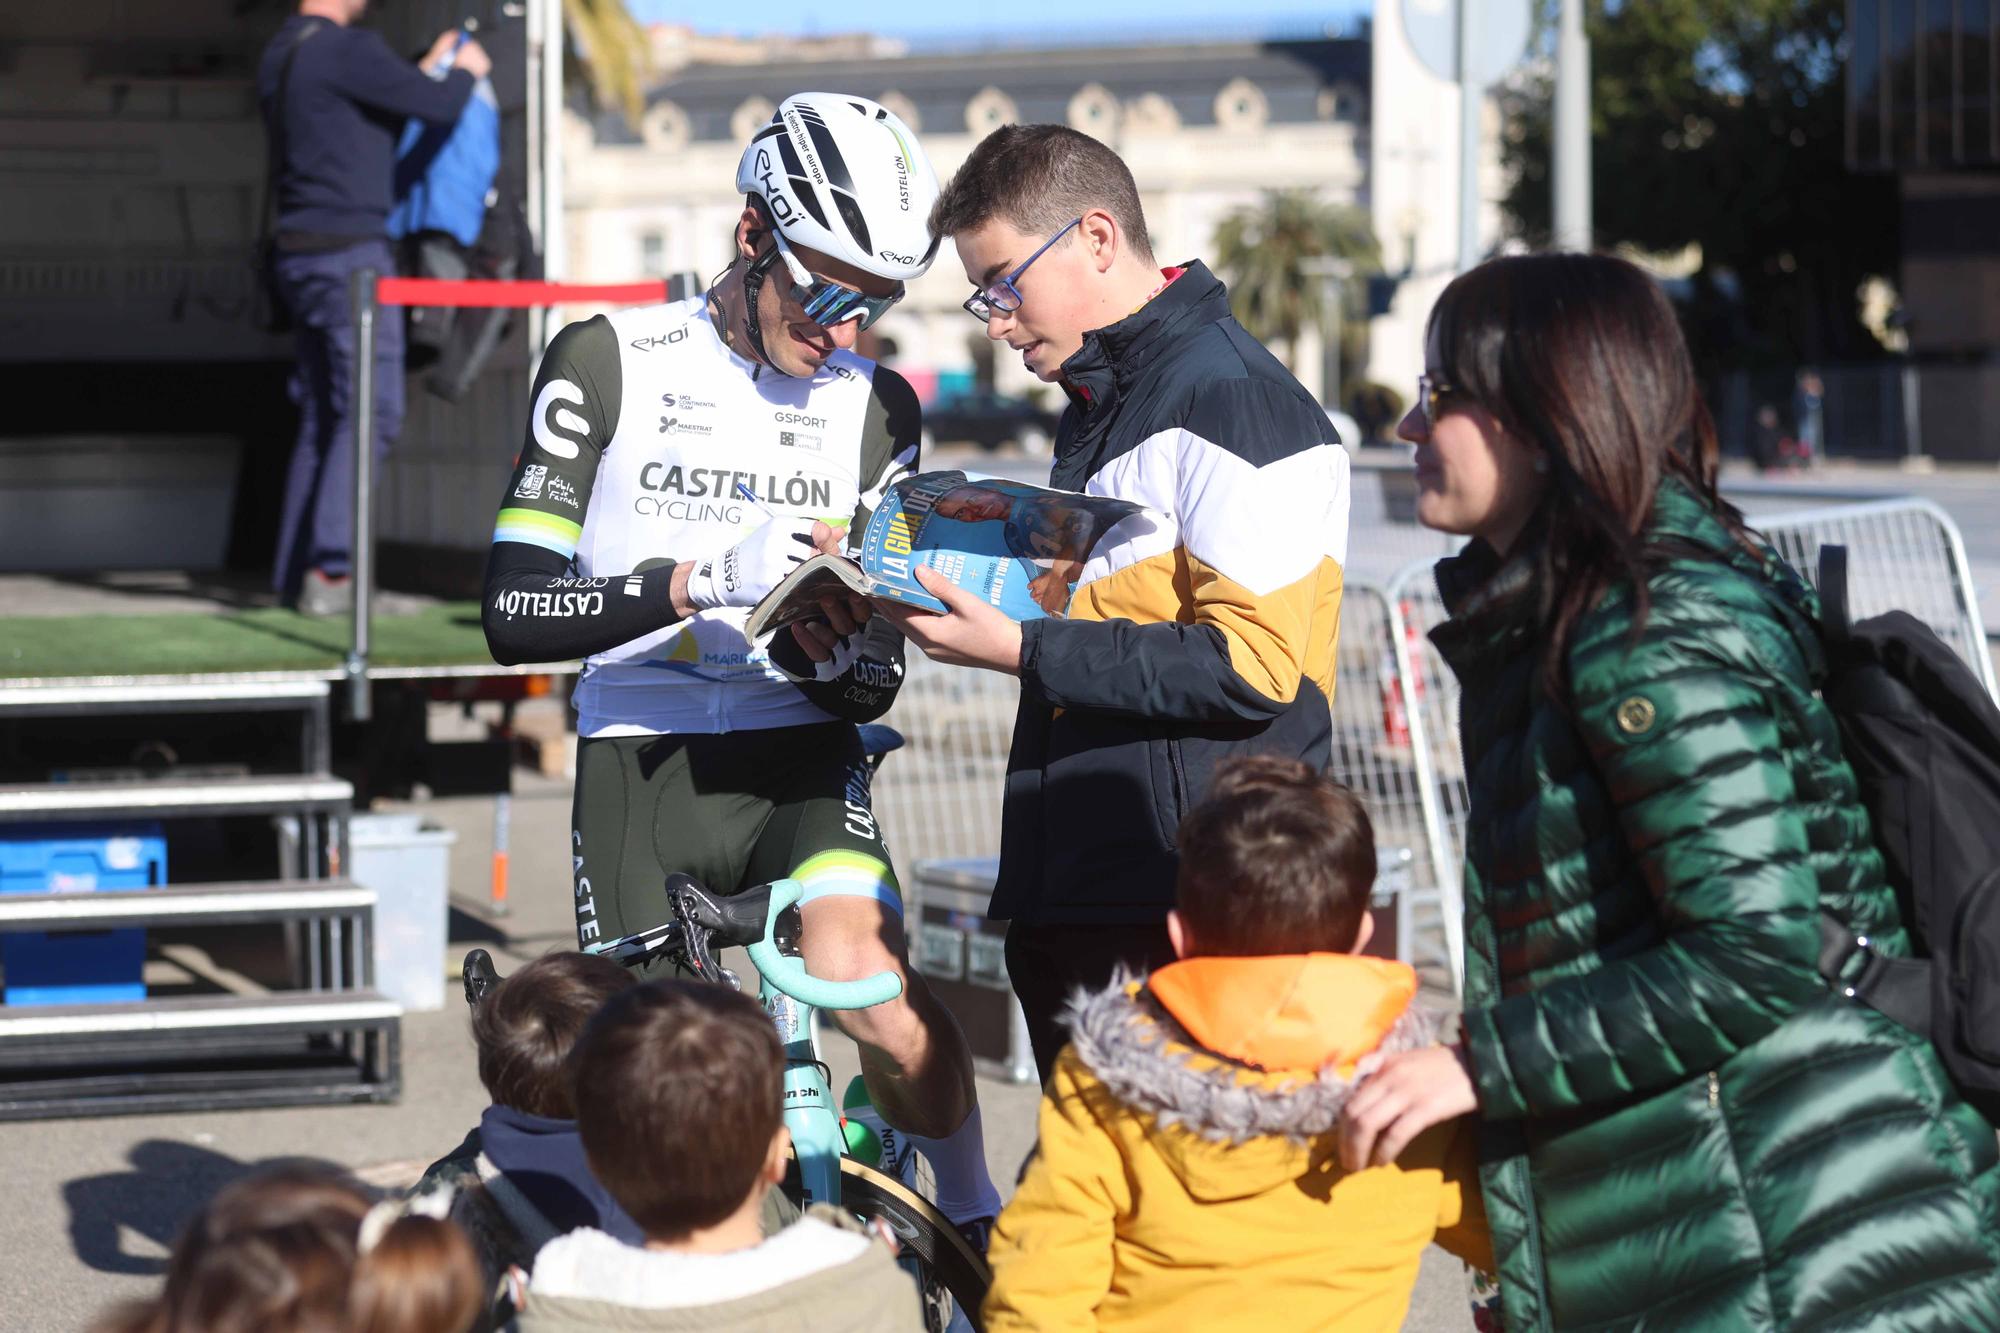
point(1923, 738)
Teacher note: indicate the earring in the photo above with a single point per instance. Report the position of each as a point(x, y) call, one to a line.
point(1542, 463)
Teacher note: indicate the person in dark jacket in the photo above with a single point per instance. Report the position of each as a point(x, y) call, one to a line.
point(335, 98)
point(1209, 634)
point(1682, 1124)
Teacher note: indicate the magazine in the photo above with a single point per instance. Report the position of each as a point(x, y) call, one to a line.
point(1021, 547)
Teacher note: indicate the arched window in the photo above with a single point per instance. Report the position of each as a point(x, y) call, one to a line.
point(902, 107)
point(753, 115)
point(1094, 111)
point(1241, 105)
point(988, 110)
point(664, 125)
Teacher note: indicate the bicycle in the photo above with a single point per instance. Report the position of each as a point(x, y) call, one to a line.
point(951, 1276)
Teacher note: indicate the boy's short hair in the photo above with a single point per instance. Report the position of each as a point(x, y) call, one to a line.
point(527, 1027)
point(1039, 179)
point(679, 1092)
point(1277, 858)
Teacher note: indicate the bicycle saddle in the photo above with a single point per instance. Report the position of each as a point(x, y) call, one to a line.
point(734, 920)
point(480, 976)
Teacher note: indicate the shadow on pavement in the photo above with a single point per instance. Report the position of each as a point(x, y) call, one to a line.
point(168, 1184)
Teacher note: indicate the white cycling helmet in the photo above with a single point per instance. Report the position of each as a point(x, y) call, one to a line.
point(846, 177)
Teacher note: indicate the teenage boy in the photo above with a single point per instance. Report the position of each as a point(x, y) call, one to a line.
point(680, 1094)
point(1210, 635)
point(1186, 1175)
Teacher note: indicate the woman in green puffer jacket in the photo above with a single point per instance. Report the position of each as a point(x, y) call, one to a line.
point(1682, 1124)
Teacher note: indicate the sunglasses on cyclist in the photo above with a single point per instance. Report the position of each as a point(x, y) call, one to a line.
point(1432, 393)
point(826, 302)
point(1001, 295)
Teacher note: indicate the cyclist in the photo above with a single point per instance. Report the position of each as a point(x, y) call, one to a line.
point(679, 458)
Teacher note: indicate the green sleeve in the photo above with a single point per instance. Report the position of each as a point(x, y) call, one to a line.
point(1683, 730)
point(571, 419)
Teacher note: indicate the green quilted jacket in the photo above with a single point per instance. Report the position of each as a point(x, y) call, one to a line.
point(1683, 1126)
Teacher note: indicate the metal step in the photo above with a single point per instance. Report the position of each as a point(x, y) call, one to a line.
point(218, 1052)
point(165, 696)
point(194, 904)
point(208, 796)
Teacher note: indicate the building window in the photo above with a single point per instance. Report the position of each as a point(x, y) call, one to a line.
point(1241, 105)
point(753, 115)
point(988, 110)
point(653, 254)
point(1094, 111)
point(1151, 113)
point(902, 108)
point(1342, 101)
point(664, 125)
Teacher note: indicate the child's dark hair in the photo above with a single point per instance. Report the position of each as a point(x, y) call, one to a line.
point(1277, 858)
point(283, 1251)
point(527, 1027)
point(679, 1092)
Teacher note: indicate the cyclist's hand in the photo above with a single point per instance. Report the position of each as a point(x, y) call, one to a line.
point(815, 651)
point(741, 575)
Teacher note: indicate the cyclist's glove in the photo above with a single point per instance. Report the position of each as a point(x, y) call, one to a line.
point(741, 575)
point(790, 658)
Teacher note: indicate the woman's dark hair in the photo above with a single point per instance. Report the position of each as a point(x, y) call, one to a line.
point(526, 1028)
point(1581, 357)
point(281, 1252)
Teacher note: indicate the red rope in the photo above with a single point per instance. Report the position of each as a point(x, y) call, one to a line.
point(517, 295)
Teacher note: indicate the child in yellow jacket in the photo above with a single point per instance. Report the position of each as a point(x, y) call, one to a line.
point(1187, 1176)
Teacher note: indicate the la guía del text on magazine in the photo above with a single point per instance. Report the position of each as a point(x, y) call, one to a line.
point(1017, 546)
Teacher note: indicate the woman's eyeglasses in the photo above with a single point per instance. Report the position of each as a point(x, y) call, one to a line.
point(1432, 393)
point(1001, 296)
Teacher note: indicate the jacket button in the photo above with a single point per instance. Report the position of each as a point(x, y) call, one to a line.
point(1635, 716)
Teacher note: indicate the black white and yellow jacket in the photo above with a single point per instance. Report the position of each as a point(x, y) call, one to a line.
point(1211, 636)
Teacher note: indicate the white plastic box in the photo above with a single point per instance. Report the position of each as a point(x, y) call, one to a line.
point(408, 864)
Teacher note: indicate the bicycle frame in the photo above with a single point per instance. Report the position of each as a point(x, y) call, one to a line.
point(809, 1113)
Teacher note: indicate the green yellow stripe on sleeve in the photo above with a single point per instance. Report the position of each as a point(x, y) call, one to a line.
point(551, 532)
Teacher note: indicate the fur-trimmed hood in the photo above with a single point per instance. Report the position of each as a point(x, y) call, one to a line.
point(1226, 1125)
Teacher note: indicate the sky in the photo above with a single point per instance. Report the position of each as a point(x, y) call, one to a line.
point(1029, 22)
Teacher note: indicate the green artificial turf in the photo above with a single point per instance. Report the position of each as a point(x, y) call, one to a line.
point(263, 639)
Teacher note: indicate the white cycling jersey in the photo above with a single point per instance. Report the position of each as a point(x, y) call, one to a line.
point(646, 432)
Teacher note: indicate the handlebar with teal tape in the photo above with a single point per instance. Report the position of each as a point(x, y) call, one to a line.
point(790, 976)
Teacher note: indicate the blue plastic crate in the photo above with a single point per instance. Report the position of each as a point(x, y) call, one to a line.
point(78, 967)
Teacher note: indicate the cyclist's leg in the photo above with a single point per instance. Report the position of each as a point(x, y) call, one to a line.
point(638, 816)
point(824, 834)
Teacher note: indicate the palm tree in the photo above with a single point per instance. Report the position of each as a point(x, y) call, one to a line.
point(608, 54)
point(1261, 250)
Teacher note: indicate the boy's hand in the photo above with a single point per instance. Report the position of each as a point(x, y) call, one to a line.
point(882, 1231)
point(969, 633)
point(1412, 1091)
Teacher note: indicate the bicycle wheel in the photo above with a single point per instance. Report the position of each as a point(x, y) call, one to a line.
point(950, 1274)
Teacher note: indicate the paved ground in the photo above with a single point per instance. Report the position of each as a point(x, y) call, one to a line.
point(94, 1204)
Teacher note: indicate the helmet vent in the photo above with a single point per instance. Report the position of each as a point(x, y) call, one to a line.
point(850, 213)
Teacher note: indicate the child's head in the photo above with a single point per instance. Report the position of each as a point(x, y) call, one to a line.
point(1277, 858)
point(526, 1029)
point(679, 1096)
point(286, 1251)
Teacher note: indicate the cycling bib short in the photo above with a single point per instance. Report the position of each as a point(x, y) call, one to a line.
point(733, 811)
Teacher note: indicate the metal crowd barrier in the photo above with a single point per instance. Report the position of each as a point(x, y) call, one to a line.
point(1395, 707)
